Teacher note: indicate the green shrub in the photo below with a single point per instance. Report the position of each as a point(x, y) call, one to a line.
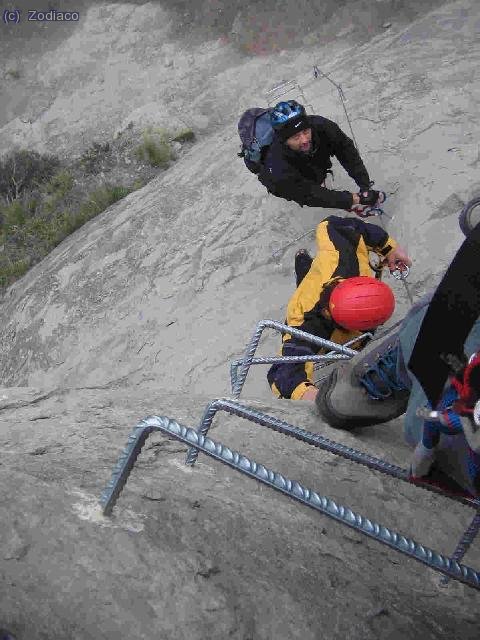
point(138, 184)
point(155, 148)
point(43, 229)
point(59, 184)
point(27, 239)
point(117, 193)
point(31, 205)
point(102, 198)
point(11, 271)
point(67, 222)
point(13, 214)
point(12, 73)
point(185, 135)
point(57, 188)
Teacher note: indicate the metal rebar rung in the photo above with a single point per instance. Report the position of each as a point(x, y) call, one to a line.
point(464, 543)
point(327, 357)
point(283, 88)
point(284, 329)
point(235, 408)
point(271, 422)
point(272, 95)
point(332, 357)
point(290, 488)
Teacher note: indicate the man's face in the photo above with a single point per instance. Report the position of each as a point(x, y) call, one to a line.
point(301, 141)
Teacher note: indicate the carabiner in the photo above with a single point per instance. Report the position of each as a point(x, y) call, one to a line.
point(401, 272)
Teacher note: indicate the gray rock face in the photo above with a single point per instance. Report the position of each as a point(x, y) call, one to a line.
point(207, 553)
point(175, 268)
point(140, 312)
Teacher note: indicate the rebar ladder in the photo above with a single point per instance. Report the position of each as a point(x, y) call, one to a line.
point(198, 441)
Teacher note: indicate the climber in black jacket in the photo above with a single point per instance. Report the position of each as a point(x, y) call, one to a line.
point(296, 164)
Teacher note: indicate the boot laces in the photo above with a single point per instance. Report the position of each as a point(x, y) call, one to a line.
point(380, 379)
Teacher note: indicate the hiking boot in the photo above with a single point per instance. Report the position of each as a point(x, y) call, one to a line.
point(371, 388)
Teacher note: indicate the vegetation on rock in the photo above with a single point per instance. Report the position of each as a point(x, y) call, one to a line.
point(43, 200)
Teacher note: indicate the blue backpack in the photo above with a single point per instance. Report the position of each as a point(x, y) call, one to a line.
point(256, 133)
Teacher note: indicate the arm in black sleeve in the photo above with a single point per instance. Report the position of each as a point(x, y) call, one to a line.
point(307, 192)
point(348, 156)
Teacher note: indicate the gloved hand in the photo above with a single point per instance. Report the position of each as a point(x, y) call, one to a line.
point(369, 197)
point(398, 255)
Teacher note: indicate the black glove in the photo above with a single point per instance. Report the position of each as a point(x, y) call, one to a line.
point(369, 197)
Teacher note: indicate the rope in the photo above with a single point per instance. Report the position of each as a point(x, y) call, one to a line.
point(316, 73)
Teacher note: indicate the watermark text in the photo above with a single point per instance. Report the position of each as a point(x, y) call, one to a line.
point(15, 16)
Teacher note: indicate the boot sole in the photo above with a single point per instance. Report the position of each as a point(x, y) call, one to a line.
point(348, 423)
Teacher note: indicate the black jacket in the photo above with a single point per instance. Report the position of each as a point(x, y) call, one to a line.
point(298, 176)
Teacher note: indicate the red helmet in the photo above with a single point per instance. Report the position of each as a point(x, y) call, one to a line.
point(361, 303)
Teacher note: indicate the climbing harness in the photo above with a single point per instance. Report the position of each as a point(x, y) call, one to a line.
point(197, 441)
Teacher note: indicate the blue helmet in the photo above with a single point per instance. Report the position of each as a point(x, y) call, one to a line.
point(284, 112)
